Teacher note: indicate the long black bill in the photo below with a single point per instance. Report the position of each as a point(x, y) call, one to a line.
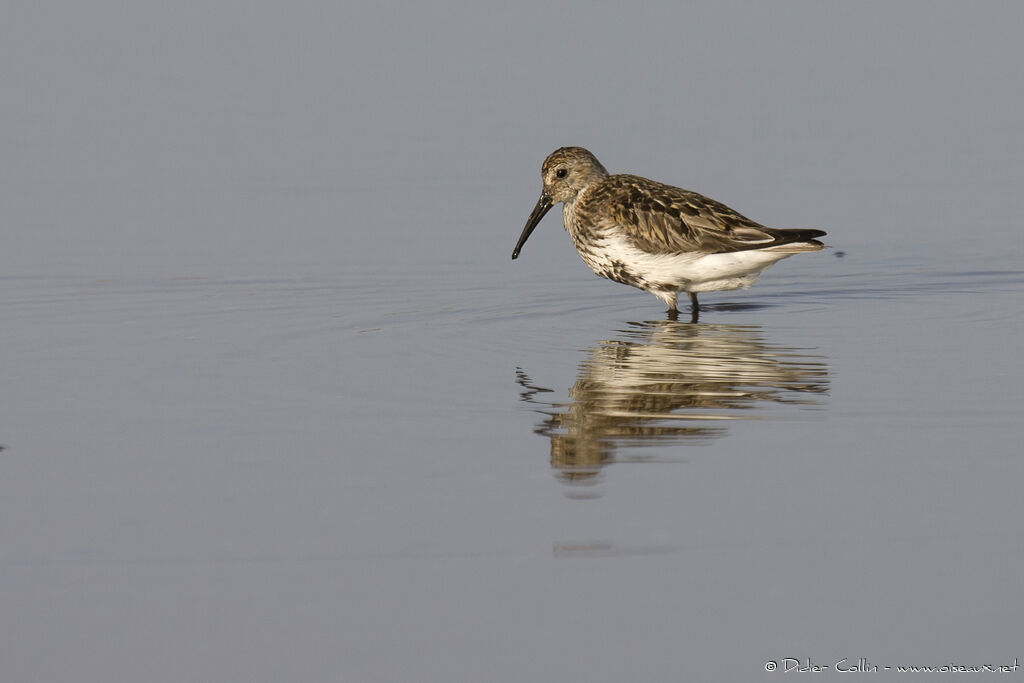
point(543, 206)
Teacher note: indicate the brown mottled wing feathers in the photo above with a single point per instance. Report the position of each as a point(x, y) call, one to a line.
point(664, 219)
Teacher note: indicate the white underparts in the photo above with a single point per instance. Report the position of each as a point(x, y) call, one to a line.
point(684, 272)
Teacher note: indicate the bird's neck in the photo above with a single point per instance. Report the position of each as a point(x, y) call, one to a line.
point(569, 217)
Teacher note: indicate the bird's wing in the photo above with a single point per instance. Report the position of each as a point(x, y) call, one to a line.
point(665, 219)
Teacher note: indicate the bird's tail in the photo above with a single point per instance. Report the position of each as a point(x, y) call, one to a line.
point(795, 240)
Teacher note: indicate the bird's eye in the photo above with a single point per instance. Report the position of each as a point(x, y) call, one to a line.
point(561, 173)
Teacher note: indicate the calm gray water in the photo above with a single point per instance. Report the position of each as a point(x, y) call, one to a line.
point(277, 404)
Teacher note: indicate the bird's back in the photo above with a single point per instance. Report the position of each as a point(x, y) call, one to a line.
point(664, 219)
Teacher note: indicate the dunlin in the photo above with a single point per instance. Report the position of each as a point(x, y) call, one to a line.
point(657, 237)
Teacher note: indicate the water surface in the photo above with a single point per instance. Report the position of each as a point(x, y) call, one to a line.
point(437, 467)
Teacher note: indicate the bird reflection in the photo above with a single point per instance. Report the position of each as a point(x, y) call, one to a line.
point(668, 382)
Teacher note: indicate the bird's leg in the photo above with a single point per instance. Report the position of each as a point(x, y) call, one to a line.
point(693, 300)
point(669, 297)
point(694, 308)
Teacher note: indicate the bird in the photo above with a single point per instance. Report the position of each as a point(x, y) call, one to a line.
point(657, 237)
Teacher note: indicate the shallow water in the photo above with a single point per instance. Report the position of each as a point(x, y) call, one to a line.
point(830, 457)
